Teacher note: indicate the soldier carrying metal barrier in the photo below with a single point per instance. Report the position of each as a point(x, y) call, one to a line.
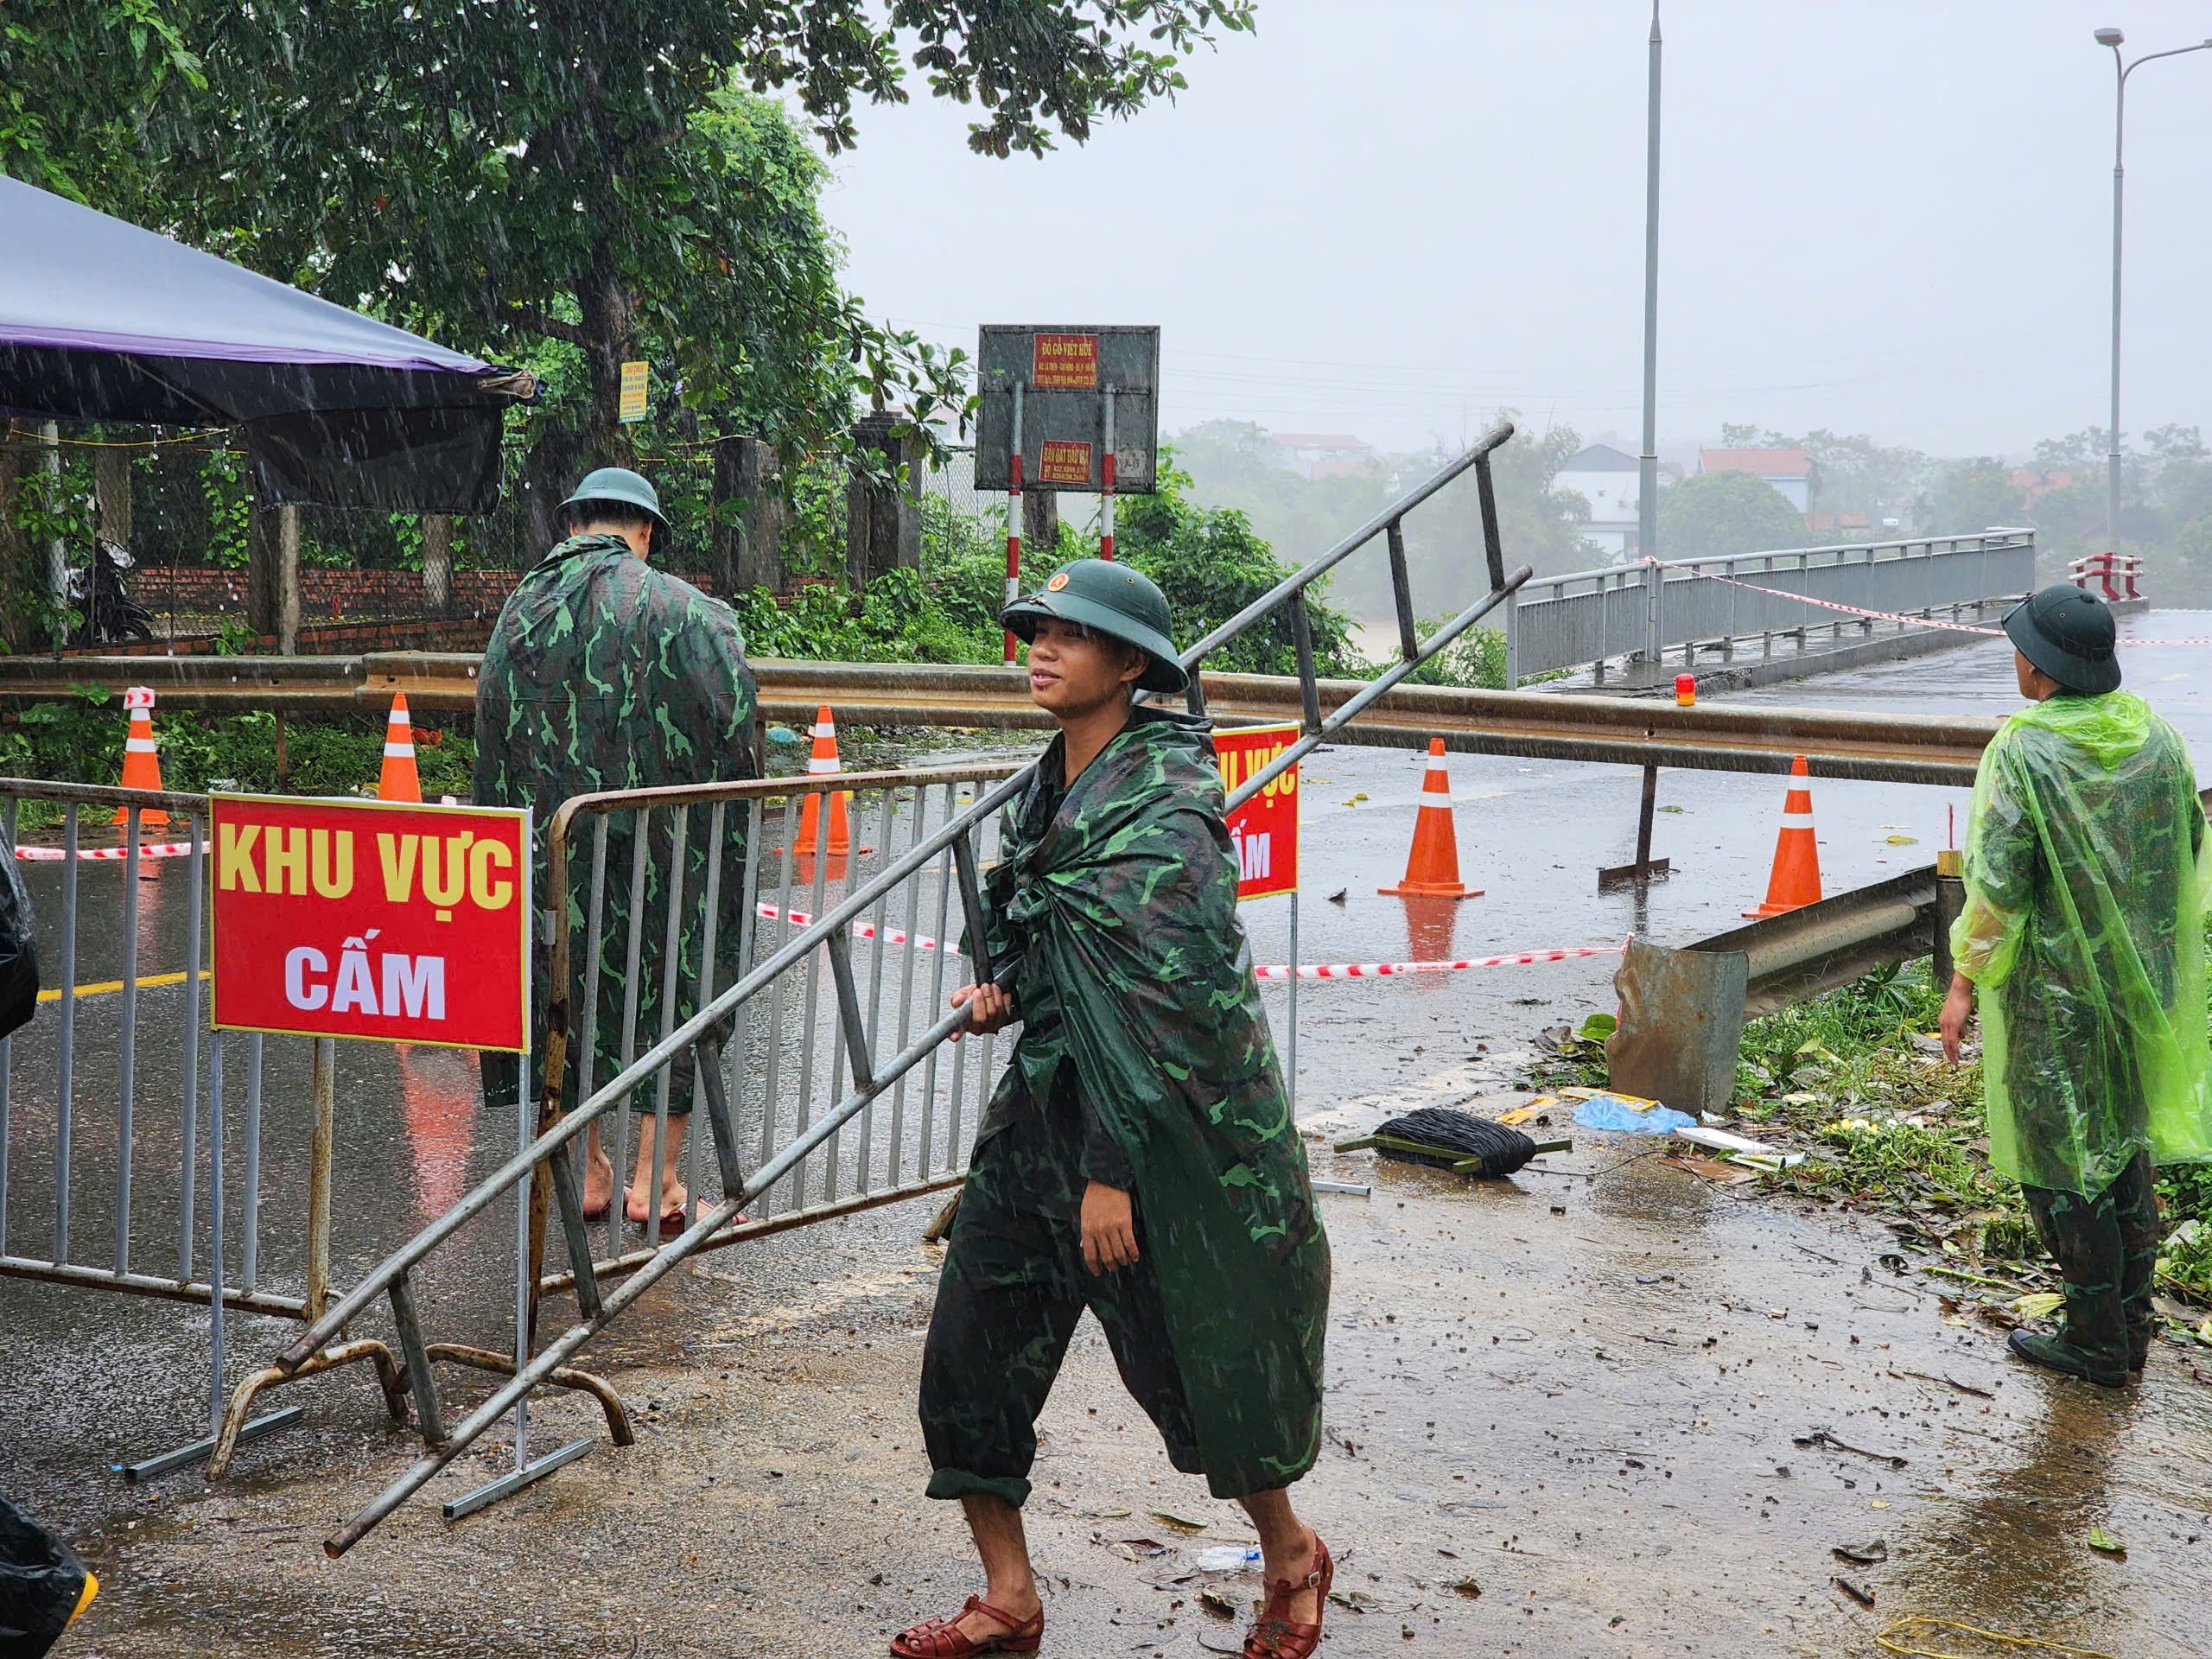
point(1139, 1158)
point(605, 673)
point(2087, 873)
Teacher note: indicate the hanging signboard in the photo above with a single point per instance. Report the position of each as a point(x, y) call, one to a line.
point(1082, 387)
point(370, 920)
point(632, 404)
point(1264, 831)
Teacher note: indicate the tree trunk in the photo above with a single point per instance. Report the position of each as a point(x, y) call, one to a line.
point(1040, 528)
point(437, 564)
point(610, 332)
point(550, 472)
point(111, 486)
point(749, 519)
point(287, 582)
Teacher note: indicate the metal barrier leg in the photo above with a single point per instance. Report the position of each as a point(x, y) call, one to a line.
point(420, 1382)
point(235, 1431)
point(1645, 868)
point(325, 1088)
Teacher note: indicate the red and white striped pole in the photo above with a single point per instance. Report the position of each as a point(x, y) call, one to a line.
point(1106, 495)
point(1014, 516)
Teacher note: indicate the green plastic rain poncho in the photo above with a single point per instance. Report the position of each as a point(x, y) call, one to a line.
point(2086, 871)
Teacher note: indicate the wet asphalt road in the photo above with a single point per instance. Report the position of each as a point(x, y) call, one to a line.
point(1610, 1480)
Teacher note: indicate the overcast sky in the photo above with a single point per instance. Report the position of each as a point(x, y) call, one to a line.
point(1389, 218)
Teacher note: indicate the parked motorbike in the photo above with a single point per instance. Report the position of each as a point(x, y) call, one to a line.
point(110, 616)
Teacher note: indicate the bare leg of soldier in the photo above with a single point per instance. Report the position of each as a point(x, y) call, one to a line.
point(1288, 1551)
point(1008, 1583)
point(674, 1201)
point(599, 1176)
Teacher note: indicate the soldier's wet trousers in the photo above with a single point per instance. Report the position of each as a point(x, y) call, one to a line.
point(1013, 1288)
point(2106, 1248)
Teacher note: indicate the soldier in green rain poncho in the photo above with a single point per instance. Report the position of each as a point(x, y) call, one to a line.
point(2087, 872)
point(1139, 1158)
point(604, 673)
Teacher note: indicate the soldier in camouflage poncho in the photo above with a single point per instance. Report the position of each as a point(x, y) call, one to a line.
point(1139, 1158)
point(603, 673)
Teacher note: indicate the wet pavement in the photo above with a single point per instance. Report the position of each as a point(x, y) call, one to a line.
point(1580, 1388)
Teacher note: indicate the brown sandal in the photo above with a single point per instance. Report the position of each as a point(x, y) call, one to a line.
point(943, 1638)
point(1273, 1635)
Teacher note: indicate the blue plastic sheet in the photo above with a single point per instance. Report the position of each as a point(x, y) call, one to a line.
point(1609, 1112)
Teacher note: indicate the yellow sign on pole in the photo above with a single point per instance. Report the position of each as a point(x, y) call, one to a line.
point(633, 406)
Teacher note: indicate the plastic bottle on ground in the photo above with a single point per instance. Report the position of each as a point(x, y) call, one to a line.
point(1228, 1558)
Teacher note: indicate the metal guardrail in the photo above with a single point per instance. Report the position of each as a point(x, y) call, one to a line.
point(1588, 616)
point(785, 1148)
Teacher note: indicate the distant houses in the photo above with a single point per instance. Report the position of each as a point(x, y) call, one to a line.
point(1607, 480)
point(1324, 455)
point(1789, 471)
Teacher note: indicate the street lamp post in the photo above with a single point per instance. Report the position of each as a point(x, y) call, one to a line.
point(2113, 38)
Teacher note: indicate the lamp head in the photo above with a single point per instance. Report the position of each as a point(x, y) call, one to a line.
point(2109, 37)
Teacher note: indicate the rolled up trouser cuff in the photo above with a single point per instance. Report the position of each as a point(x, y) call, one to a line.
point(958, 1483)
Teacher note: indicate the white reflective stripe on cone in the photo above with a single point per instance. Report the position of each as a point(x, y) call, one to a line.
point(1797, 821)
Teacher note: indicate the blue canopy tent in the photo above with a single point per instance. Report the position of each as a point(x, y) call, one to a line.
point(101, 320)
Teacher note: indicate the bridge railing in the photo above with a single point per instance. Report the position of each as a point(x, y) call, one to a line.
point(1589, 616)
point(878, 1067)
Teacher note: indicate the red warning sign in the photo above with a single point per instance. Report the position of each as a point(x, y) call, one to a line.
point(1064, 462)
point(370, 918)
point(1065, 363)
point(1263, 832)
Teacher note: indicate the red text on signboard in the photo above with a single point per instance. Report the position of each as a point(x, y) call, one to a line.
point(359, 919)
point(1263, 832)
point(1065, 363)
point(1064, 462)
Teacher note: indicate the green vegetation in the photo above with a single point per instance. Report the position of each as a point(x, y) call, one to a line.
point(1853, 1080)
point(1716, 515)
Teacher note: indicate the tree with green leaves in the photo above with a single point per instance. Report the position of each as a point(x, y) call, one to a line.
point(507, 172)
point(1718, 515)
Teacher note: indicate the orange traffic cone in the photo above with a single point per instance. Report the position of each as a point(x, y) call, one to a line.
point(400, 781)
point(1796, 879)
point(141, 766)
point(822, 762)
point(1433, 868)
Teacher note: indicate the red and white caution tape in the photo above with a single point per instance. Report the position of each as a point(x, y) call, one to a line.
point(865, 930)
point(147, 849)
point(1382, 969)
point(1305, 970)
point(1895, 616)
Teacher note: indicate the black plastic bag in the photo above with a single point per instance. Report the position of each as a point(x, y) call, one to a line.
point(41, 1582)
point(18, 947)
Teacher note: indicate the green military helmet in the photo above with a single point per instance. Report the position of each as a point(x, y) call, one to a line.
point(618, 486)
point(2068, 633)
point(1112, 600)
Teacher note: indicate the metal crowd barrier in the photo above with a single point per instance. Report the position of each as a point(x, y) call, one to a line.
point(106, 1182)
point(1587, 616)
point(101, 1177)
point(887, 975)
point(894, 1117)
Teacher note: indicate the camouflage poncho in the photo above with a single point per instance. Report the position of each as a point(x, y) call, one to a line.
point(604, 673)
point(1116, 905)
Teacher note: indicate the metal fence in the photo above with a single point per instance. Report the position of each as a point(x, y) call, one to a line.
point(112, 1184)
point(1588, 616)
point(787, 1054)
point(894, 1116)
